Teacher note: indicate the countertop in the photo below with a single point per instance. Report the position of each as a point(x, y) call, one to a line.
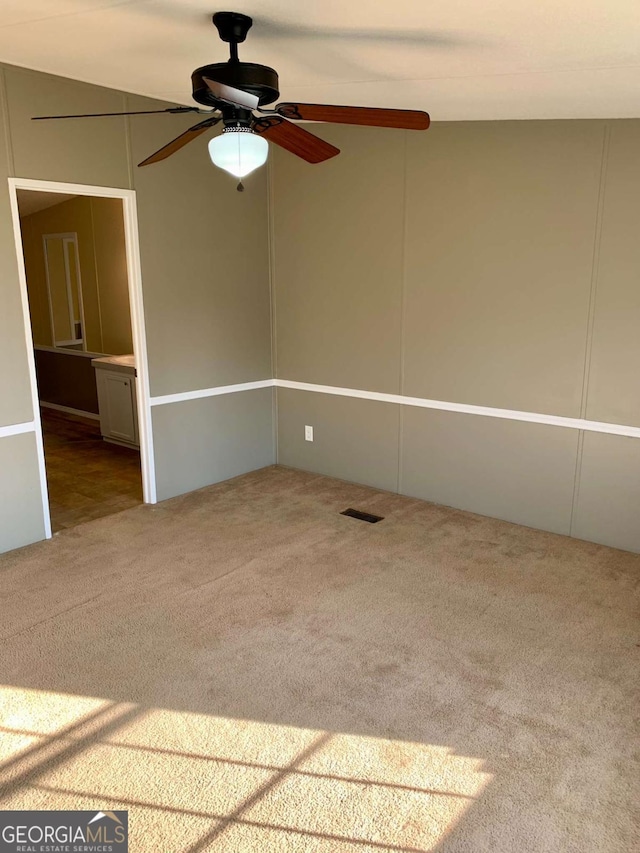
point(121, 363)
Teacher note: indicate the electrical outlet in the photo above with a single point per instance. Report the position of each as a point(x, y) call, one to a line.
point(308, 433)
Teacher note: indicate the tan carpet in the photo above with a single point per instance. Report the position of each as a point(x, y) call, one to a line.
point(245, 669)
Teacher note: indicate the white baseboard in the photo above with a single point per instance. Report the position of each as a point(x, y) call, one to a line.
point(128, 444)
point(69, 411)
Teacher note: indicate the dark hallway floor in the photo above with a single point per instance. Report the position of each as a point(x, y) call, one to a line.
point(87, 477)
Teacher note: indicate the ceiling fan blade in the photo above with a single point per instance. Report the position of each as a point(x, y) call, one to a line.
point(295, 139)
point(180, 141)
point(133, 113)
point(235, 97)
point(371, 116)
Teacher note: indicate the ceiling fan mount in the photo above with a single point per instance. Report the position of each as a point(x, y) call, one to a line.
point(238, 94)
point(232, 26)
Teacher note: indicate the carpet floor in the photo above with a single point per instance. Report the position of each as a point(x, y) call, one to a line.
point(245, 669)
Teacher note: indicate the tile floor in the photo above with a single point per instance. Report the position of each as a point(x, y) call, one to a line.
point(88, 478)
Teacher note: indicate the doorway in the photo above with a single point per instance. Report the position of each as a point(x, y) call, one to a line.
point(79, 270)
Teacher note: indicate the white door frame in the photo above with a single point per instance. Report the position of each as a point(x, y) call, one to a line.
point(134, 275)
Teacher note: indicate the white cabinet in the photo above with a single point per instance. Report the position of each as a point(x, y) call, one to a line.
point(117, 401)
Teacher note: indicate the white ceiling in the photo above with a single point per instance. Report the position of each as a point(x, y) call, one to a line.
point(459, 59)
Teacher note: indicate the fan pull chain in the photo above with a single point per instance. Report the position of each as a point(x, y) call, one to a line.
point(240, 187)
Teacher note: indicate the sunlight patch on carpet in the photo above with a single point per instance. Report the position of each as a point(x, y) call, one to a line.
point(197, 782)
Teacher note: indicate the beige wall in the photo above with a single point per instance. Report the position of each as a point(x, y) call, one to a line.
point(15, 389)
point(20, 498)
point(184, 433)
point(494, 264)
point(99, 224)
point(205, 255)
point(612, 393)
point(205, 269)
point(111, 272)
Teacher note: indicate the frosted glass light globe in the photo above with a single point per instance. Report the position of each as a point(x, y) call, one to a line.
point(238, 150)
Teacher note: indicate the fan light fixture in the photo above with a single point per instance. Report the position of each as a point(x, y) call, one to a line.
point(238, 150)
point(231, 92)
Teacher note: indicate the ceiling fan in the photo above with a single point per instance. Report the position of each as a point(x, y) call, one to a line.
point(238, 92)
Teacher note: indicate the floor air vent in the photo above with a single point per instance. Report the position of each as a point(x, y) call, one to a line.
point(363, 516)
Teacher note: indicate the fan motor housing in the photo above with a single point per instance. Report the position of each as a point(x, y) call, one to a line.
point(259, 80)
